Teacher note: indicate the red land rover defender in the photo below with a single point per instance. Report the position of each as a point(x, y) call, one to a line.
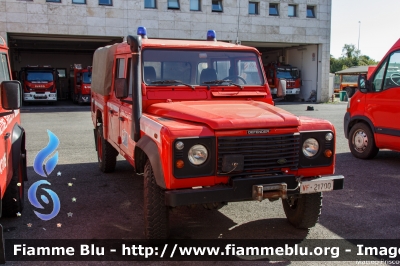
point(12, 147)
point(372, 120)
point(197, 120)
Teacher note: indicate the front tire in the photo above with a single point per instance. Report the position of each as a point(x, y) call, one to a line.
point(303, 210)
point(106, 153)
point(362, 142)
point(13, 200)
point(155, 211)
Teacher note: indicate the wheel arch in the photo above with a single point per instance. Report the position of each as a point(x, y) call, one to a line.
point(360, 119)
point(145, 149)
point(18, 149)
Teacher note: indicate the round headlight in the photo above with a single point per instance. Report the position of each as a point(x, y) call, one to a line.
point(329, 136)
point(310, 147)
point(197, 154)
point(179, 145)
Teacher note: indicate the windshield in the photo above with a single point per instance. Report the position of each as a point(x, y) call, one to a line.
point(87, 77)
point(39, 76)
point(287, 73)
point(201, 67)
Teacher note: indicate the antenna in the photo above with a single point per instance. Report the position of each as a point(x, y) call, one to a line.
point(237, 31)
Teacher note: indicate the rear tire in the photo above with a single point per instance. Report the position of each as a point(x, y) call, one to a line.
point(303, 210)
point(106, 153)
point(362, 142)
point(13, 200)
point(156, 224)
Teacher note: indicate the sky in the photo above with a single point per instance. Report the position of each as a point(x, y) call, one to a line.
point(379, 26)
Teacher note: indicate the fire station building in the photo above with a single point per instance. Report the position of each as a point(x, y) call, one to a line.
point(62, 33)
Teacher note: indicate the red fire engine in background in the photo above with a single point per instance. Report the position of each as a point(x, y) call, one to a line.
point(39, 83)
point(82, 84)
point(277, 72)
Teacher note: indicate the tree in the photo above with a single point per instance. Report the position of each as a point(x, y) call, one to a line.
point(350, 57)
point(350, 51)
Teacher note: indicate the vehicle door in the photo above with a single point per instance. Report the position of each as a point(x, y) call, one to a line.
point(114, 104)
point(383, 102)
point(5, 130)
point(125, 118)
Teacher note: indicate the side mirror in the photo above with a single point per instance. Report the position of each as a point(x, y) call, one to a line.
point(11, 95)
point(121, 88)
point(363, 83)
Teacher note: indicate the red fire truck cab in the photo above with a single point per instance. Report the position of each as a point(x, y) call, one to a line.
point(12, 145)
point(372, 120)
point(197, 120)
point(39, 83)
point(82, 84)
point(290, 74)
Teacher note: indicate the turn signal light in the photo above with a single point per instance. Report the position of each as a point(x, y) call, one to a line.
point(179, 164)
point(328, 153)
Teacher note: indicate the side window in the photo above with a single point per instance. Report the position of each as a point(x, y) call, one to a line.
point(128, 76)
point(4, 73)
point(377, 82)
point(120, 68)
point(392, 77)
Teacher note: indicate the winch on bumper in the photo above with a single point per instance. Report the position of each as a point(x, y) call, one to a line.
point(253, 188)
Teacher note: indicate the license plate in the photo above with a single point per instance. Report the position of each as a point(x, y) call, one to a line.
point(315, 186)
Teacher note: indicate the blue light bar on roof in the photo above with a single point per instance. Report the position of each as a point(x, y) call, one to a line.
point(211, 35)
point(142, 32)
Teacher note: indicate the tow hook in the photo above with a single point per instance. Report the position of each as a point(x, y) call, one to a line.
point(261, 192)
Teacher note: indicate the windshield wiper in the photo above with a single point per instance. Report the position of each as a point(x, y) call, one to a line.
point(221, 81)
point(171, 81)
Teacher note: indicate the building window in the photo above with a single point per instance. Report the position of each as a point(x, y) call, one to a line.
point(311, 11)
point(195, 5)
point(54, 1)
point(216, 5)
point(79, 1)
point(149, 3)
point(105, 2)
point(173, 4)
point(273, 10)
point(253, 8)
point(292, 11)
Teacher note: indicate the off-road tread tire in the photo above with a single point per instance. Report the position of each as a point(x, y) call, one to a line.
point(156, 222)
point(371, 151)
point(13, 202)
point(307, 211)
point(109, 153)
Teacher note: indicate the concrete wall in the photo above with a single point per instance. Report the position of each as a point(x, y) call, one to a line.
point(38, 16)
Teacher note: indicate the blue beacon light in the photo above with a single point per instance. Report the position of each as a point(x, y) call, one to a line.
point(211, 35)
point(142, 32)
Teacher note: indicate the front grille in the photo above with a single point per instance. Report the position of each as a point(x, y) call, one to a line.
point(262, 154)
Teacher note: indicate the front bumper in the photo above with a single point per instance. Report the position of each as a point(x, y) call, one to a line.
point(40, 97)
point(84, 98)
point(242, 189)
point(294, 91)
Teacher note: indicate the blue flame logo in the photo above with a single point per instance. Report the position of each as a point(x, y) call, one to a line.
point(45, 170)
point(34, 201)
point(38, 164)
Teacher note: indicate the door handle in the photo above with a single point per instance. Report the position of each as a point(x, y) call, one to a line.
point(121, 118)
point(112, 112)
point(7, 135)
